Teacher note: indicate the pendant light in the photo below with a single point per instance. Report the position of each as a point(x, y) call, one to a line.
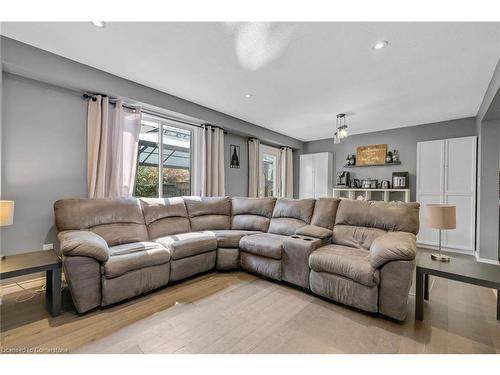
point(341, 128)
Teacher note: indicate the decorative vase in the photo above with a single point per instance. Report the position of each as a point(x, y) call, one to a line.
point(388, 158)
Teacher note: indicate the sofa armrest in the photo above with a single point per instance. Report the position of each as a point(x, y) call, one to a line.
point(83, 243)
point(314, 231)
point(392, 246)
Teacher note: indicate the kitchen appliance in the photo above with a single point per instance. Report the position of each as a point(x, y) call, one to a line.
point(355, 184)
point(343, 178)
point(400, 180)
point(369, 184)
point(385, 184)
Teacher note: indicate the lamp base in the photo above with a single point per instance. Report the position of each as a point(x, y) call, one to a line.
point(440, 258)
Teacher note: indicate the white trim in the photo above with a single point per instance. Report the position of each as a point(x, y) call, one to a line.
point(488, 261)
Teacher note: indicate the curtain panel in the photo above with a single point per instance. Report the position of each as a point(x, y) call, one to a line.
point(208, 163)
point(286, 178)
point(253, 167)
point(112, 142)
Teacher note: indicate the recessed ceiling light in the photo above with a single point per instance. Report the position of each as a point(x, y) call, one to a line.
point(380, 45)
point(99, 23)
point(248, 96)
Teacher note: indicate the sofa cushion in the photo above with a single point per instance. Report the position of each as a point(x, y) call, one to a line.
point(188, 244)
point(165, 216)
point(353, 236)
point(133, 256)
point(389, 216)
point(229, 238)
point(209, 213)
point(117, 220)
point(325, 210)
point(264, 244)
point(252, 213)
point(344, 261)
point(290, 214)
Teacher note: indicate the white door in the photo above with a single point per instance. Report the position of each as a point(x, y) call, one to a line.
point(306, 171)
point(321, 174)
point(460, 190)
point(446, 173)
point(430, 182)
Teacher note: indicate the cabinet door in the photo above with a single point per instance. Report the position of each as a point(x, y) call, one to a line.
point(320, 163)
point(430, 184)
point(306, 173)
point(460, 190)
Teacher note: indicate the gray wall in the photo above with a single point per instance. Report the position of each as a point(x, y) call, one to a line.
point(43, 157)
point(403, 139)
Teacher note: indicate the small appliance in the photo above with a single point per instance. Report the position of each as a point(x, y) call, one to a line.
point(343, 178)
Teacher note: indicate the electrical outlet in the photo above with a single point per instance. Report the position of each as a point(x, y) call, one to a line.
point(48, 246)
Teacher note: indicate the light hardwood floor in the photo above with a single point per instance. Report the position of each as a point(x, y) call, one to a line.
point(240, 313)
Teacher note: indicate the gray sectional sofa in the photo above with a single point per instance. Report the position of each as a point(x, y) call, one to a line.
point(354, 252)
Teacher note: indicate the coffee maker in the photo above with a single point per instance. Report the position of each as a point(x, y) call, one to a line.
point(343, 178)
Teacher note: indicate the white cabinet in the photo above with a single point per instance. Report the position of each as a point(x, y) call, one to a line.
point(446, 173)
point(316, 175)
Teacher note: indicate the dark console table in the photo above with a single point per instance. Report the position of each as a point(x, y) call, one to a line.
point(38, 261)
point(462, 268)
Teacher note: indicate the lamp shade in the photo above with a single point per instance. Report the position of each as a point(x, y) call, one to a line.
point(6, 213)
point(440, 216)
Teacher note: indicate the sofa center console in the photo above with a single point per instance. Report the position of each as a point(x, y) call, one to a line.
point(295, 260)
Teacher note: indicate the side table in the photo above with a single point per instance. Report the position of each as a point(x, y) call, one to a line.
point(38, 261)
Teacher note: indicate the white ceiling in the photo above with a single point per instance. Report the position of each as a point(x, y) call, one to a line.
point(300, 74)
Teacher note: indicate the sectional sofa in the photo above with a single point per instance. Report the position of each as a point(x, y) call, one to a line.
point(357, 253)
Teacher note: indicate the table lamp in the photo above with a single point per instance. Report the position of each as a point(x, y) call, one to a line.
point(6, 213)
point(440, 216)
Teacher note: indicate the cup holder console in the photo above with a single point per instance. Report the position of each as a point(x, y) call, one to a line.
point(301, 238)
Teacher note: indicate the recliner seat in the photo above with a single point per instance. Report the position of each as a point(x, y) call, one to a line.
point(357, 253)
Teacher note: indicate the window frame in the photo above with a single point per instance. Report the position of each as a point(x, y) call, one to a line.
point(168, 122)
point(276, 152)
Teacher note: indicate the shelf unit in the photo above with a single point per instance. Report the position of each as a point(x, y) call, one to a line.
point(386, 195)
point(373, 165)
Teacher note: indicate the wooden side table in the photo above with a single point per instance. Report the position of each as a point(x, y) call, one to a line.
point(37, 261)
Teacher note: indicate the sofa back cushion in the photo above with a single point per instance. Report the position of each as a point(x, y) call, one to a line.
point(165, 216)
point(325, 210)
point(252, 213)
point(117, 220)
point(291, 214)
point(359, 223)
point(209, 213)
point(388, 216)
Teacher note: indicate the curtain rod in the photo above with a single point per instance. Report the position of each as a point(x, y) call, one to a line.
point(155, 113)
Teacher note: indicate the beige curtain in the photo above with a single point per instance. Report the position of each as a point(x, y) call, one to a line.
point(211, 151)
point(253, 167)
point(112, 141)
point(286, 185)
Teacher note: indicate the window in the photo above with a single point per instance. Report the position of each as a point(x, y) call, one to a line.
point(269, 167)
point(170, 175)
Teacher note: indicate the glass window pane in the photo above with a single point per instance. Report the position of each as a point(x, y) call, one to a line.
point(146, 179)
point(176, 161)
point(269, 170)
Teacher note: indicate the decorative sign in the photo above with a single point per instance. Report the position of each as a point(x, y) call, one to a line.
point(234, 156)
point(370, 155)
